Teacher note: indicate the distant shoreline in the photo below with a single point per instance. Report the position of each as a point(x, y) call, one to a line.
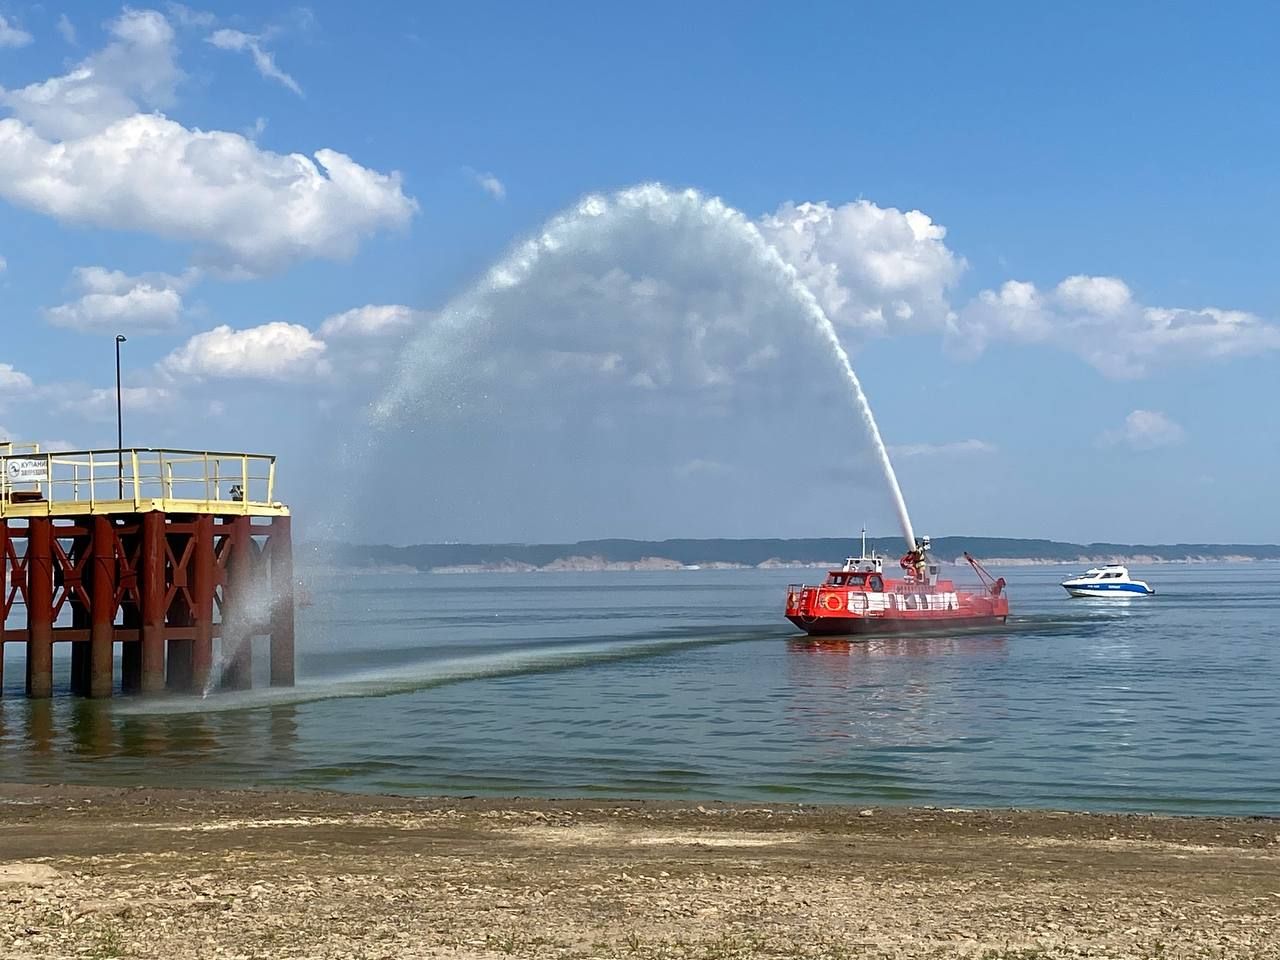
point(618, 555)
point(661, 564)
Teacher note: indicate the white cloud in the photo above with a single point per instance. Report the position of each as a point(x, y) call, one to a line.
point(11, 35)
point(141, 309)
point(246, 207)
point(4, 264)
point(113, 302)
point(1100, 296)
point(1016, 309)
point(78, 149)
point(100, 404)
point(881, 270)
point(137, 399)
point(67, 29)
point(273, 351)
point(45, 446)
point(651, 299)
point(102, 280)
point(955, 448)
point(263, 60)
point(370, 321)
point(187, 17)
point(12, 380)
point(1099, 319)
point(135, 69)
point(488, 183)
point(1145, 430)
point(873, 268)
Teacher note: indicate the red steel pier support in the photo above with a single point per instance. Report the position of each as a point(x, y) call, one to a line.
point(153, 590)
point(6, 599)
point(150, 558)
point(39, 564)
point(204, 582)
point(102, 607)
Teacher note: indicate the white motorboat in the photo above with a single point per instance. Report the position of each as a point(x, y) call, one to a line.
point(1112, 581)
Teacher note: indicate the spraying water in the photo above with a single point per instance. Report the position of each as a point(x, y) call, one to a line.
point(435, 357)
point(253, 618)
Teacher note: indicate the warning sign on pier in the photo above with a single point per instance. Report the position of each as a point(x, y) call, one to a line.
point(26, 469)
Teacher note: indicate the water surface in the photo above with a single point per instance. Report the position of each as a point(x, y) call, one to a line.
point(691, 685)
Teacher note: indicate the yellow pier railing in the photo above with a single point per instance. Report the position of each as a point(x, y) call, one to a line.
point(135, 480)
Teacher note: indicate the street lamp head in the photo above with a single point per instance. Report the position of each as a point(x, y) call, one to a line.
point(121, 338)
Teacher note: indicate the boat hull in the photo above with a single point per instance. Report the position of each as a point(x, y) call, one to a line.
point(1113, 591)
point(866, 626)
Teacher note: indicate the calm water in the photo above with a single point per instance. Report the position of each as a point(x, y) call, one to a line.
point(690, 685)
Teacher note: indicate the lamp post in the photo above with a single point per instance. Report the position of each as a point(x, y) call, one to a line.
point(119, 420)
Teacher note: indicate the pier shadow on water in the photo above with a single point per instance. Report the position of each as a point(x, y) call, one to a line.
point(93, 741)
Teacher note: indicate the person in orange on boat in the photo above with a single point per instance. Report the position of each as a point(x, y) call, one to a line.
point(916, 563)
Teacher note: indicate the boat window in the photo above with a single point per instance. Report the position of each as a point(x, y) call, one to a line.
point(1111, 576)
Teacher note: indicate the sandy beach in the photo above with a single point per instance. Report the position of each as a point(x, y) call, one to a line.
point(101, 872)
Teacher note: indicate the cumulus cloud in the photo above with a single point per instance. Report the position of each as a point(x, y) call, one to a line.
point(11, 35)
point(12, 380)
point(371, 320)
point(79, 150)
point(263, 60)
point(365, 341)
point(246, 207)
point(114, 302)
point(954, 448)
point(872, 268)
point(1100, 320)
point(272, 351)
point(880, 270)
point(488, 183)
point(646, 300)
point(135, 70)
point(1145, 430)
point(641, 339)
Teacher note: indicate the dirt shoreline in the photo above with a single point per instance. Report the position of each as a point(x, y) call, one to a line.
point(152, 873)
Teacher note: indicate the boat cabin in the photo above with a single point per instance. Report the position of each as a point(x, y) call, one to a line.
point(858, 573)
point(1112, 571)
point(863, 564)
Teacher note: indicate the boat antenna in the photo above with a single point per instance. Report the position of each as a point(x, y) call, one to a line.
point(864, 540)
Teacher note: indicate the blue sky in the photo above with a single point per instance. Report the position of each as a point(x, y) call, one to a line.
point(1041, 232)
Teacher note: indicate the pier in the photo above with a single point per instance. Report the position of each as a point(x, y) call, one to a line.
point(173, 556)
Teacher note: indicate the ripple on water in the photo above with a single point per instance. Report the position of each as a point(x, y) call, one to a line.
point(688, 685)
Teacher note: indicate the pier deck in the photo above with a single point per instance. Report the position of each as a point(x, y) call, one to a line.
point(166, 552)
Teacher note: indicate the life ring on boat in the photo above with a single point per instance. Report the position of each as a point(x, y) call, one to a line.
point(832, 602)
point(875, 583)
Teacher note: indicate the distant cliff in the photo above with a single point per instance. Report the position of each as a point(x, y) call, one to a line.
point(709, 554)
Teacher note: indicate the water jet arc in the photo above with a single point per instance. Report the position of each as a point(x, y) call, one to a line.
point(573, 230)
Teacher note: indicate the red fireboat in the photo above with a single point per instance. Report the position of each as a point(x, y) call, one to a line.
point(858, 598)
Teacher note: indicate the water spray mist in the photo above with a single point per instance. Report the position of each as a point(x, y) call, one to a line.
point(577, 229)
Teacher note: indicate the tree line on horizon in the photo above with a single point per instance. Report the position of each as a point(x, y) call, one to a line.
point(752, 552)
